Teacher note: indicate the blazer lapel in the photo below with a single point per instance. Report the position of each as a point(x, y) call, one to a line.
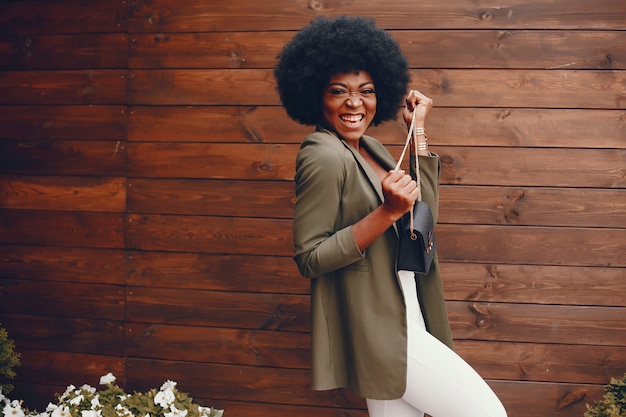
point(379, 152)
point(384, 158)
point(367, 170)
point(381, 155)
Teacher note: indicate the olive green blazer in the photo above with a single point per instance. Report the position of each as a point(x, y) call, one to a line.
point(358, 312)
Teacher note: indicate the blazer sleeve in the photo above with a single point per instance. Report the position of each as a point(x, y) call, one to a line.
point(320, 246)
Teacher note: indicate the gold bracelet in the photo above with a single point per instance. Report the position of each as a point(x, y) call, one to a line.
point(420, 131)
point(422, 146)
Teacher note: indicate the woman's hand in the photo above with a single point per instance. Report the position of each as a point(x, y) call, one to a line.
point(400, 193)
point(424, 104)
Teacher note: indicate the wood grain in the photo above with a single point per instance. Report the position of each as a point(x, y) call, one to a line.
point(89, 158)
point(50, 122)
point(532, 245)
point(64, 87)
point(63, 193)
point(543, 362)
point(146, 196)
point(218, 309)
point(506, 127)
point(68, 16)
point(557, 88)
point(64, 51)
point(219, 345)
point(75, 229)
point(580, 325)
point(539, 284)
point(258, 384)
point(204, 271)
point(49, 263)
point(504, 48)
point(459, 165)
point(458, 204)
point(67, 334)
point(469, 243)
point(209, 234)
point(63, 368)
point(225, 15)
point(270, 199)
point(533, 206)
point(95, 301)
point(217, 161)
point(492, 359)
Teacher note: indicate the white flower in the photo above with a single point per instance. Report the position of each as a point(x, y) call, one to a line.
point(122, 411)
point(74, 398)
point(209, 412)
point(164, 398)
point(107, 379)
point(13, 409)
point(62, 411)
point(77, 400)
point(91, 413)
point(175, 412)
point(88, 388)
point(168, 385)
point(68, 391)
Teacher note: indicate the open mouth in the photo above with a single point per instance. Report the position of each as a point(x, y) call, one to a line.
point(352, 118)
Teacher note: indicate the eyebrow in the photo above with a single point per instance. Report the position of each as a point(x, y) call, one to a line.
point(344, 85)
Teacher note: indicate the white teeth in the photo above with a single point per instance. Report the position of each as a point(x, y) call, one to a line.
point(352, 119)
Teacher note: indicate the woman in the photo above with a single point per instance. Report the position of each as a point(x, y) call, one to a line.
point(382, 333)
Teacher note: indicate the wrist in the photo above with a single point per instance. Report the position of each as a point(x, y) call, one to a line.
point(389, 214)
point(420, 141)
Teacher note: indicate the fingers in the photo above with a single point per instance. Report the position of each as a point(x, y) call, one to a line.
point(416, 100)
point(400, 191)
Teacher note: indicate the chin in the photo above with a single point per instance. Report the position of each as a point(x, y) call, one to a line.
point(352, 136)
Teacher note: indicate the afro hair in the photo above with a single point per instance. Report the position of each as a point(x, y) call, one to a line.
point(327, 47)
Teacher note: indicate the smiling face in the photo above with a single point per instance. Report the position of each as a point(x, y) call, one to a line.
point(349, 105)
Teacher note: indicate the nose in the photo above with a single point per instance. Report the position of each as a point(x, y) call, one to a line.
point(354, 99)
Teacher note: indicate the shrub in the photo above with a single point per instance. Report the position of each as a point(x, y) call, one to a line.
point(86, 401)
point(613, 404)
point(8, 360)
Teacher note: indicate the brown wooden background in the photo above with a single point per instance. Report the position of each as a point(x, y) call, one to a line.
point(146, 195)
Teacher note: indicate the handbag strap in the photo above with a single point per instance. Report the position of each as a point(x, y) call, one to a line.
point(412, 134)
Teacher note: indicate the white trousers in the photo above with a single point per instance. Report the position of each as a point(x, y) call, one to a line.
point(438, 381)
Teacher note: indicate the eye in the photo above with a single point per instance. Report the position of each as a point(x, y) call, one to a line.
point(337, 92)
point(368, 92)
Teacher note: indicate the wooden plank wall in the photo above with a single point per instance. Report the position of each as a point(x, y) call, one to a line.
point(146, 195)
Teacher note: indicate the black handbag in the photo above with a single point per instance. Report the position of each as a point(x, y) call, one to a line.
point(417, 244)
